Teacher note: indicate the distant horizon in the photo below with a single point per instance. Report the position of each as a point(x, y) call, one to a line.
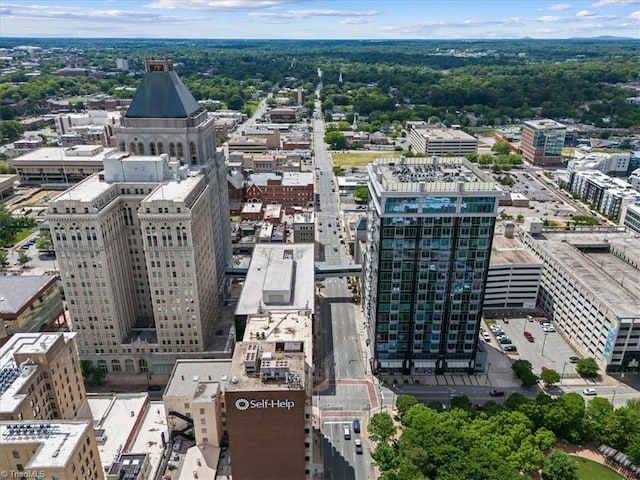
point(320, 19)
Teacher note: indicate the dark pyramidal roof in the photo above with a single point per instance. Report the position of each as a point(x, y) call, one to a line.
point(162, 94)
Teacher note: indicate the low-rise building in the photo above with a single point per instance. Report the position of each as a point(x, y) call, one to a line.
point(290, 189)
point(56, 167)
point(30, 303)
point(436, 141)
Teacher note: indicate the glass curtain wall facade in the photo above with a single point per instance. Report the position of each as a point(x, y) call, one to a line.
point(425, 271)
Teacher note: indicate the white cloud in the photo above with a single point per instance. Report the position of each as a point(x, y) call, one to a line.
point(558, 7)
point(217, 4)
point(549, 19)
point(610, 3)
point(635, 15)
point(354, 21)
point(585, 14)
point(326, 12)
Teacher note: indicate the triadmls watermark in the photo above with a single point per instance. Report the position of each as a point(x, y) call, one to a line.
point(21, 474)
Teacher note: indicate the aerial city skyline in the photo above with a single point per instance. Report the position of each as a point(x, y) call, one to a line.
point(312, 19)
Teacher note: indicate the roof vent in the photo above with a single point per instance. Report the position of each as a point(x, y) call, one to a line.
point(234, 379)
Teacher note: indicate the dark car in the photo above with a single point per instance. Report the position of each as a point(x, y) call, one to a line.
point(574, 359)
point(356, 426)
point(510, 348)
point(154, 388)
point(496, 393)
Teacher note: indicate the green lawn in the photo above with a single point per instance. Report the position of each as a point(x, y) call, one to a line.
point(588, 470)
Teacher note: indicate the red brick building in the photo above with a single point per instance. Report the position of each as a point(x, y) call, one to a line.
point(289, 189)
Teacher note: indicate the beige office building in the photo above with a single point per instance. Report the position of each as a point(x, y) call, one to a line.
point(50, 450)
point(143, 246)
point(136, 252)
point(434, 141)
point(40, 377)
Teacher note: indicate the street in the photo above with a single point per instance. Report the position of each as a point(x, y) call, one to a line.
point(345, 392)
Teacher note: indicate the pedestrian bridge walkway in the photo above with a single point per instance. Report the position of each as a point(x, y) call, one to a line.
point(321, 271)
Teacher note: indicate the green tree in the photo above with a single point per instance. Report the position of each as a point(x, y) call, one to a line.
point(10, 130)
point(336, 139)
point(502, 148)
point(462, 402)
point(4, 256)
point(44, 243)
point(92, 375)
point(381, 427)
point(587, 367)
point(405, 402)
point(549, 377)
point(361, 194)
point(559, 466)
point(235, 102)
point(385, 456)
point(23, 258)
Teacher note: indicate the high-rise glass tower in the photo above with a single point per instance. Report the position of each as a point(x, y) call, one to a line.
point(430, 229)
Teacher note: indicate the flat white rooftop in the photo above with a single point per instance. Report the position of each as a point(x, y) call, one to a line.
point(263, 260)
point(119, 416)
point(188, 376)
point(55, 440)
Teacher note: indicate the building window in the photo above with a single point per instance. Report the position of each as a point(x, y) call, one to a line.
point(16, 454)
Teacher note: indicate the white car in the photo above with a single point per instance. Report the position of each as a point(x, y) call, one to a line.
point(486, 336)
point(548, 329)
point(589, 391)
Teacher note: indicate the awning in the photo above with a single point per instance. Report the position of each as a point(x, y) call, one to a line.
point(390, 363)
point(424, 364)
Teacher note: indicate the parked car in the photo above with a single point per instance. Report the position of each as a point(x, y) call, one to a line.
point(505, 341)
point(529, 318)
point(527, 334)
point(486, 337)
point(154, 388)
point(505, 320)
point(510, 348)
point(477, 407)
point(496, 393)
point(574, 359)
point(548, 329)
point(589, 391)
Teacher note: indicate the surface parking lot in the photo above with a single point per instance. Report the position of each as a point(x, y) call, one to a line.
point(547, 350)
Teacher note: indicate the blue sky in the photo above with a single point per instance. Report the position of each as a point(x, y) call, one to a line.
point(313, 19)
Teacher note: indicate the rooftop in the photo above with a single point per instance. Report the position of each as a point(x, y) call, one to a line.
point(588, 256)
point(162, 94)
point(189, 377)
point(544, 124)
point(429, 175)
point(507, 251)
point(266, 256)
point(445, 134)
point(55, 440)
point(70, 155)
point(12, 376)
point(17, 291)
point(119, 416)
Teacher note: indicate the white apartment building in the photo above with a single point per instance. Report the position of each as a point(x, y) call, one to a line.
point(608, 195)
point(615, 164)
point(590, 288)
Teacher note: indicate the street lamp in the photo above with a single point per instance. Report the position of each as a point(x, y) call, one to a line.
point(544, 341)
point(562, 374)
point(451, 392)
point(613, 398)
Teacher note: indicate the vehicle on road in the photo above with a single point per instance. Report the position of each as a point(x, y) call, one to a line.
point(505, 320)
point(505, 340)
point(154, 388)
point(529, 318)
point(496, 393)
point(486, 337)
point(356, 426)
point(477, 407)
point(358, 444)
point(347, 433)
point(548, 329)
point(510, 348)
point(574, 359)
point(589, 391)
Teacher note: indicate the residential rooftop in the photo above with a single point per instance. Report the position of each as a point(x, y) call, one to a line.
point(430, 174)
